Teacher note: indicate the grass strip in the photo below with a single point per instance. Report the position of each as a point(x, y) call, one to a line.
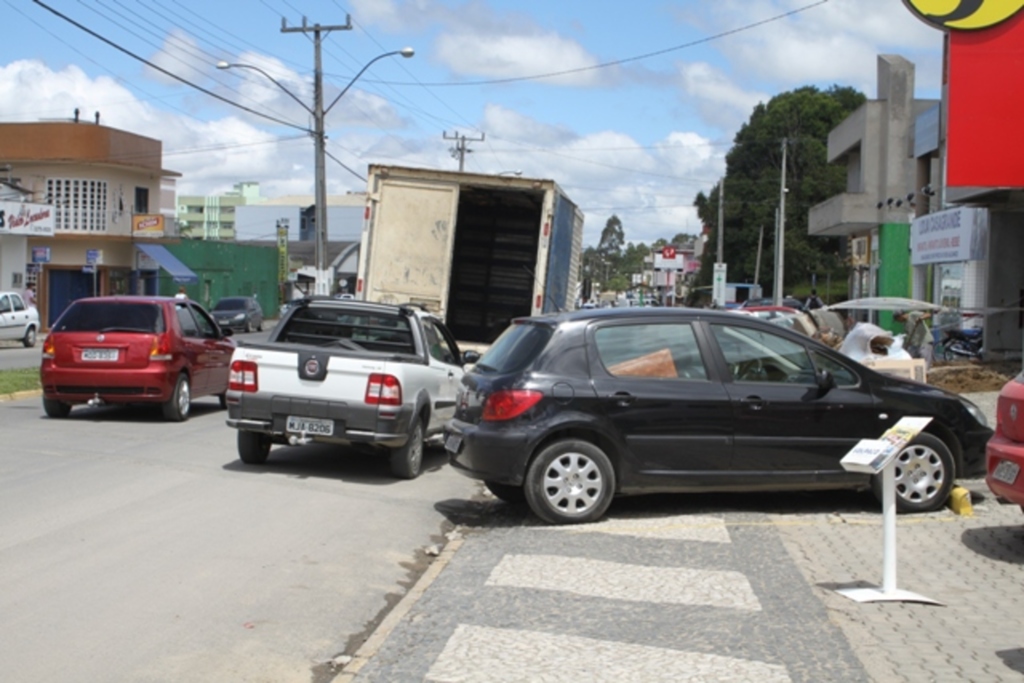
point(23, 379)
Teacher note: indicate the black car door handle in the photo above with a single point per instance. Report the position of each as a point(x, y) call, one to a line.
point(622, 398)
point(754, 402)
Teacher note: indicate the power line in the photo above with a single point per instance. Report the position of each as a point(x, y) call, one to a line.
point(626, 60)
point(164, 71)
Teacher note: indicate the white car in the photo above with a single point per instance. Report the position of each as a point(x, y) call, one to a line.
point(18, 321)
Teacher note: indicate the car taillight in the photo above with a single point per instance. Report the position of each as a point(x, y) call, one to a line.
point(49, 348)
point(383, 390)
point(509, 403)
point(243, 376)
point(161, 348)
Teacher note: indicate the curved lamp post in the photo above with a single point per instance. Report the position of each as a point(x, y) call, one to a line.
point(318, 112)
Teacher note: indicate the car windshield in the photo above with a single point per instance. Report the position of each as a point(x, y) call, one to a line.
point(516, 348)
point(111, 316)
point(230, 305)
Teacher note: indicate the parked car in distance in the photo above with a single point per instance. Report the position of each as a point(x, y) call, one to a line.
point(18, 321)
point(787, 301)
point(134, 349)
point(1004, 454)
point(239, 313)
point(569, 410)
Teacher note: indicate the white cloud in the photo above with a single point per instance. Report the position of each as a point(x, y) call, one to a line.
point(503, 55)
point(719, 99)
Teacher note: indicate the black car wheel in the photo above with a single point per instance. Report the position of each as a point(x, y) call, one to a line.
point(177, 407)
point(570, 482)
point(253, 447)
point(30, 337)
point(407, 462)
point(509, 494)
point(56, 409)
point(924, 473)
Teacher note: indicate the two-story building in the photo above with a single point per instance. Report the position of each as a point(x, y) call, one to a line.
point(111, 204)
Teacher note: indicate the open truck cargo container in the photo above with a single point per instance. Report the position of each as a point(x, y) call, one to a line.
point(478, 250)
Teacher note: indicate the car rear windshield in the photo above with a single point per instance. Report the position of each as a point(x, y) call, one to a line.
point(347, 329)
point(516, 348)
point(230, 305)
point(111, 316)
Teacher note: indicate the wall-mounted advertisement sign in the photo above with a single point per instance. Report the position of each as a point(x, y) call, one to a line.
point(949, 236)
point(40, 254)
point(148, 225)
point(25, 218)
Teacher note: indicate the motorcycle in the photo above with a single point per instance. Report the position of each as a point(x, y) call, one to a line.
point(967, 344)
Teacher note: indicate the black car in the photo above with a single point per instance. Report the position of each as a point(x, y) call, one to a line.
point(569, 410)
point(242, 313)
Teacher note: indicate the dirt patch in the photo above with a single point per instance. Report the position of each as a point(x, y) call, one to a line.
point(966, 377)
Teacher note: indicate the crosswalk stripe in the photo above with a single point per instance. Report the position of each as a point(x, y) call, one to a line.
point(495, 655)
point(675, 528)
point(615, 581)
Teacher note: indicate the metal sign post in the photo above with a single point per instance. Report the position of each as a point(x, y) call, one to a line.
point(877, 457)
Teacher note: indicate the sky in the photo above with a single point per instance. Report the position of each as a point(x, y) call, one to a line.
point(629, 108)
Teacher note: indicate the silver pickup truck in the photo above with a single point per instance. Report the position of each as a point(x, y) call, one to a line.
point(346, 372)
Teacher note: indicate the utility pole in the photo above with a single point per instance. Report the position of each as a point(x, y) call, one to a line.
point(318, 31)
point(757, 263)
point(721, 219)
point(460, 149)
point(780, 233)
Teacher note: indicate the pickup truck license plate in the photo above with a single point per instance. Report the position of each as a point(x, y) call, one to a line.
point(100, 354)
point(308, 425)
point(453, 442)
point(1006, 472)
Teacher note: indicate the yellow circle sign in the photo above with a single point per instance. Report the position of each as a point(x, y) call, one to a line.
point(964, 15)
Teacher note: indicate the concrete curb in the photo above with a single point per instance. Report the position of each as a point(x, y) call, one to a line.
point(373, 644)
point(17, 395)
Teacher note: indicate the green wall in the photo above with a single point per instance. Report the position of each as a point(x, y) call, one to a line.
point(894, 267)
point(228, 269)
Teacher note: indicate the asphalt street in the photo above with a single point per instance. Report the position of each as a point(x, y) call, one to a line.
point(133, 549)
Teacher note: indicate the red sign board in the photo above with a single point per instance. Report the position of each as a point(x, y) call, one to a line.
point(986, 96)
point(668, 252)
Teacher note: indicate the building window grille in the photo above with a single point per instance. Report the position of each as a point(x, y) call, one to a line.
point(80, 205)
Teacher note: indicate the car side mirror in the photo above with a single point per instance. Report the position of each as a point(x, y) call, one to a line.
point(226, 332)
point(826, 382)
point(470, 357)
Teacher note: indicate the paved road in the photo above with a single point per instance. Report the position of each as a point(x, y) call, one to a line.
point(133, 549)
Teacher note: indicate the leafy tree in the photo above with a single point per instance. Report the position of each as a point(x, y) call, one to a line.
point(802, 118)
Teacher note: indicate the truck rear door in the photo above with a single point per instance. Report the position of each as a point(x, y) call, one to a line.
point(410, 245)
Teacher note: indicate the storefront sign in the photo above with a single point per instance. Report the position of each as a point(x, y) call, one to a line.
point(24, 218)
point(282, 250)
point(144, 261)
point(949, 236)
point(148, 225)
point(40, 254)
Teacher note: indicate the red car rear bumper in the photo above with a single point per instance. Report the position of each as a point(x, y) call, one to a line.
point(1001, 449)
point(154, 384)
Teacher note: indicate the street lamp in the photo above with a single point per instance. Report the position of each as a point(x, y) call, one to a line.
point(318, 112)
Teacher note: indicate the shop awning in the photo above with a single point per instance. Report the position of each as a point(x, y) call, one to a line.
point(181, 273)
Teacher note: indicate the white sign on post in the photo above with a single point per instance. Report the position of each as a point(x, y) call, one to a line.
point(876, 456)
point(718, 284)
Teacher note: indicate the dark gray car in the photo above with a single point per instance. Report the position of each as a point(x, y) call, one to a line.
point(241, 313)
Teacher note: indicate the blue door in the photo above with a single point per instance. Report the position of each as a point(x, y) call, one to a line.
point(63, 287)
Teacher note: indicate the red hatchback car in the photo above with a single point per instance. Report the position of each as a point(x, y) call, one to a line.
point(134, 349)
point(1004, 454)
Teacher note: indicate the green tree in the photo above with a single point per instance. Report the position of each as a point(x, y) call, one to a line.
point(803, 119)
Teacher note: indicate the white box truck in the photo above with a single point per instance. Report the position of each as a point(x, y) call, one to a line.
point(475, 249)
